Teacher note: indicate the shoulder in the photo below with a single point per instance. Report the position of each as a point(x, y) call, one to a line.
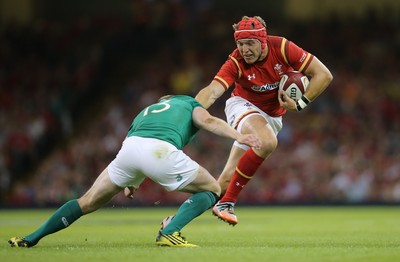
point(188, 99)
point(276, 42)
point(235, 56)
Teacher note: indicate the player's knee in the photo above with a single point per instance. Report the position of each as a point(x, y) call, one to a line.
point(216, 189)
point(213, 187)
point(224, 180)
point(267, 147)
point(87, 204)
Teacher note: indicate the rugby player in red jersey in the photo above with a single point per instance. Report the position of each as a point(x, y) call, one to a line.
point(256, 106)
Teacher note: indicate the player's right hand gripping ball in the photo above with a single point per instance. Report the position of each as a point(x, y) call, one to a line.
point(294, 84)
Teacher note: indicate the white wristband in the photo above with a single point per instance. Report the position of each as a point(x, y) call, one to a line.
point(302, 103)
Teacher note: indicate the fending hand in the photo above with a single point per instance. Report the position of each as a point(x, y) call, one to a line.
point(250, 140)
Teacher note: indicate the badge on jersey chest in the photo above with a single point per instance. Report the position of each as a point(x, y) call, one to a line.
point(278, 68)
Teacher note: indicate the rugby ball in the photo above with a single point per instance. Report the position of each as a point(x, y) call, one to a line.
point(294, 84)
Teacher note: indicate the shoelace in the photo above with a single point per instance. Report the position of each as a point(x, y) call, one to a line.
point(223, 206)
point(230, 209)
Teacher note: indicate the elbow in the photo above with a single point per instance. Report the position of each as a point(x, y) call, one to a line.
point(325, 79)
point(209, 121)
point(328, 77)
point(209, 124)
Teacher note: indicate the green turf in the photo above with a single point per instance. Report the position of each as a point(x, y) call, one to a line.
point(263, 234)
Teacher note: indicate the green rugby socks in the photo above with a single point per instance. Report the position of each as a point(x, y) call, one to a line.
point(62, 218)
point(190, 209)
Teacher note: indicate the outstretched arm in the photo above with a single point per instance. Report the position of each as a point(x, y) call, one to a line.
point(210, 93)
point(203, 120)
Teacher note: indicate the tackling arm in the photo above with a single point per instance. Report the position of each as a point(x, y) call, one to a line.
point(203, 120)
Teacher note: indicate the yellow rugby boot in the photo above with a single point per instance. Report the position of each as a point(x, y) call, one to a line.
point(172, 240)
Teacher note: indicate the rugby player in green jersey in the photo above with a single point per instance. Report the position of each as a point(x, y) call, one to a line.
point(153, 149)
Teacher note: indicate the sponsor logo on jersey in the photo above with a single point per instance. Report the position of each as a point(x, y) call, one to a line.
point(249, 77)
point(266, 87)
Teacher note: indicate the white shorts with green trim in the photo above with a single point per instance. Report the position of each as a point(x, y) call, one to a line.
point(156, 159)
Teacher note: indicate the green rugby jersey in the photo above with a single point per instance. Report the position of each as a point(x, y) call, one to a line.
point(169, 120)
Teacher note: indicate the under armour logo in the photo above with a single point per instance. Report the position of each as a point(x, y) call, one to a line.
point(278, 67)
point(253, 76)
point(239, 185)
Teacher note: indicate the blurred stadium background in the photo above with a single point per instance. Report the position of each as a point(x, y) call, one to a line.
point(74, 73)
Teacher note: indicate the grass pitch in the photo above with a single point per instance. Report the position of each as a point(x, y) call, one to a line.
point(263, 234)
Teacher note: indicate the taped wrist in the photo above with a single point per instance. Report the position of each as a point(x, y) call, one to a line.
point(302, 103)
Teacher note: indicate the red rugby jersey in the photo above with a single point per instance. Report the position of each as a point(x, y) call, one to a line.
point(259, 82)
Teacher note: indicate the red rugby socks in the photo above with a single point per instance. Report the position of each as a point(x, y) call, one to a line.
point(245, 169)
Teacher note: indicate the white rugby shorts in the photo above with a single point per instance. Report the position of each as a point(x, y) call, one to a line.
point(238, 109)
point(156, 159)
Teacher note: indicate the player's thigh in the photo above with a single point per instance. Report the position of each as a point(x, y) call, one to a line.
point(247, 118)
point(204, 181)
point(258, 125)
point(176, 172)
point(101, 192)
